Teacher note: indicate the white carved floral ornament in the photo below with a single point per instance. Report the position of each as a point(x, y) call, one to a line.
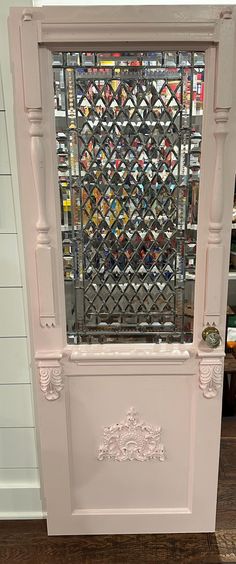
point(131, 439)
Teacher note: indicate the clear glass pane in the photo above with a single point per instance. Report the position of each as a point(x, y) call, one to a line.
point(128, 128)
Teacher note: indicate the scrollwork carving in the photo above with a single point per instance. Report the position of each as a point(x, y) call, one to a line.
point(132, 439)
point(50, 377)
point(211, 376)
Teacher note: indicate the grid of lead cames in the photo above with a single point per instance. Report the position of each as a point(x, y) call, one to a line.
point(128, 135)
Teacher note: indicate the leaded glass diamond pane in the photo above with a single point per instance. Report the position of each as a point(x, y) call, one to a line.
point(128, 128)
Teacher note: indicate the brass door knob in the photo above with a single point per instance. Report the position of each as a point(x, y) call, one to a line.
point(211, 336)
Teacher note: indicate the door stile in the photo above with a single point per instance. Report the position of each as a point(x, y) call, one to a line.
point(41, 241)
point(211, 364)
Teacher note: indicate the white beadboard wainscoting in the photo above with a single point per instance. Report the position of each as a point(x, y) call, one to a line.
point(20, 495)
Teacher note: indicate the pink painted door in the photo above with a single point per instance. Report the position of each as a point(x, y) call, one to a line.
point(126, 152)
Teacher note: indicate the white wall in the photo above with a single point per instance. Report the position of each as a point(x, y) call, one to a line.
point(19, 478)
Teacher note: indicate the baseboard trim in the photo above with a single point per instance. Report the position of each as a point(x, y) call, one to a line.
point(13, 515)
point(19, 501)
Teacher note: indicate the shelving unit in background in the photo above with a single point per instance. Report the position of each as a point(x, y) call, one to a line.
point(232, 268)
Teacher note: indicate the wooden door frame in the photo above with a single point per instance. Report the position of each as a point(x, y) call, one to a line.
point(34, 33)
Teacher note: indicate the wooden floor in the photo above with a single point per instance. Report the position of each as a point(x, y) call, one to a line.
point(26, 542)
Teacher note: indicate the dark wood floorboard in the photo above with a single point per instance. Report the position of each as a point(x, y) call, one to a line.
point(26, 542)
point(228, 429)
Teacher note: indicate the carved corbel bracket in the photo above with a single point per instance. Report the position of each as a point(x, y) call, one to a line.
point(211, 376)
point(50, 375)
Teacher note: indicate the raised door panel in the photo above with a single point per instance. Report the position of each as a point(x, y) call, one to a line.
point(160, 479)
